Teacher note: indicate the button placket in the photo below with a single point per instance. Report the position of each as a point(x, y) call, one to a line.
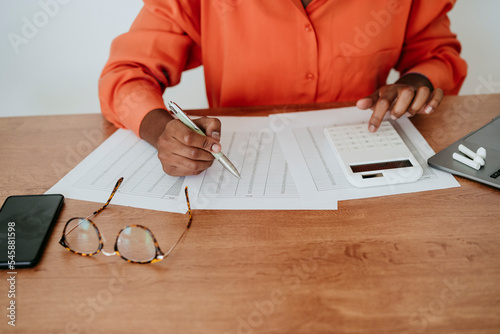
point(311, 61)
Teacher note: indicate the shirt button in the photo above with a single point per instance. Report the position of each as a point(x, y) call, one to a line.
point(309, 76)
point(308, 27)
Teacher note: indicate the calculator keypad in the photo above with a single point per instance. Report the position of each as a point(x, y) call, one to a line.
point(356, 138)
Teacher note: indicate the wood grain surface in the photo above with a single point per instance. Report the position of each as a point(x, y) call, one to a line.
point(426, 262)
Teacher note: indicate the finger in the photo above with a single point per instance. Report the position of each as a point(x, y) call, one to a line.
point(211, 126)
point(176, 165)
point(435, 100)
point(180, 140)
point(420, 100)
point(174, 153)
point(403, 102)
point(191, 138)
point(178, 159)
point(386, 98)
point(368, 101)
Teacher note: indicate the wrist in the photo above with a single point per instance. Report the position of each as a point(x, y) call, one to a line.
point(416, 80)
point(153, 125)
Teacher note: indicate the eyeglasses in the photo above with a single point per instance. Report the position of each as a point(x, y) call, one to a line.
point(134, 243)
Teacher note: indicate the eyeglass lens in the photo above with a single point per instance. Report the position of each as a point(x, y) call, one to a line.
point(82, 236)
point(136, 244)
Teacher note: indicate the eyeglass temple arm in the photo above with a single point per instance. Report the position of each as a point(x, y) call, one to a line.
point(118, 183)
point(189, 208)
point(175, 245)
point(164, 255)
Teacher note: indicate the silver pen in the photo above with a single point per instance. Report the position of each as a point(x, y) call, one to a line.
point(177, 111)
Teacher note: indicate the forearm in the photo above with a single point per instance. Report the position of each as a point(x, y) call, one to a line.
point(143, 62)
point(431, 48)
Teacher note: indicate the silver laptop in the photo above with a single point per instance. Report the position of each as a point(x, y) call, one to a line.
point(488, 137)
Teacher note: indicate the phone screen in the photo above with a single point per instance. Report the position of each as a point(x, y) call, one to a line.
point(25, 225)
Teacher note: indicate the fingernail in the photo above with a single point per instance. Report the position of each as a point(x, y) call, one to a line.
point(372, 128)
point(393, 117)
point(216, 148)
point(216, 135)
point(407, 114)
point(429, 109)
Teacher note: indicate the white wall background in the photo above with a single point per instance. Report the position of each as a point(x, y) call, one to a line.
point(64, 44)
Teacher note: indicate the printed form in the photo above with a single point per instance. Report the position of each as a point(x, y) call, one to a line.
point(266, 182)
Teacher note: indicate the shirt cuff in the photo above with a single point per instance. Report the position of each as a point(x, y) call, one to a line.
point(135, 101)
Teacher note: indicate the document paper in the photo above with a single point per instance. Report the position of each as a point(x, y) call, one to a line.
point(248, 142)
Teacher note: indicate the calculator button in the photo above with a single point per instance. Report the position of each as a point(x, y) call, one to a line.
point(381, 141)
point(370, 147)
point(393, 138)
point(355, 148)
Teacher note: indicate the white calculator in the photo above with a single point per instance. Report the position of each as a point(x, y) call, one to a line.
point(373, 159)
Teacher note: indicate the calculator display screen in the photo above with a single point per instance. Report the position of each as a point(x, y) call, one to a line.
point(381, 166)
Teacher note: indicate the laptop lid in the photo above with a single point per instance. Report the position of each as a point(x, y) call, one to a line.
point(488, 137)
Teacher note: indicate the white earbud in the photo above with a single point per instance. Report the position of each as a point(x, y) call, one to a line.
point(479, 160)
point(481, 152)
point(471, 154)
point(466, 161)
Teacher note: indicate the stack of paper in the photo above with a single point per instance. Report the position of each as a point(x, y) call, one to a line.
point(284, 160)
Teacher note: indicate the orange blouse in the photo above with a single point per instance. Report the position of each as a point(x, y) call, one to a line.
point(276, 52)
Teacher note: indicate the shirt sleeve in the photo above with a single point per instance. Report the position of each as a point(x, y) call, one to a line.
point(161, 44)
point(430, 48)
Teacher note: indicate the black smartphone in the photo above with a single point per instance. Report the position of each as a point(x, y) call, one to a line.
point(25, 225)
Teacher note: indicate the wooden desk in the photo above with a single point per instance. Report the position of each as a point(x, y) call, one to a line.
point(425, 262)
